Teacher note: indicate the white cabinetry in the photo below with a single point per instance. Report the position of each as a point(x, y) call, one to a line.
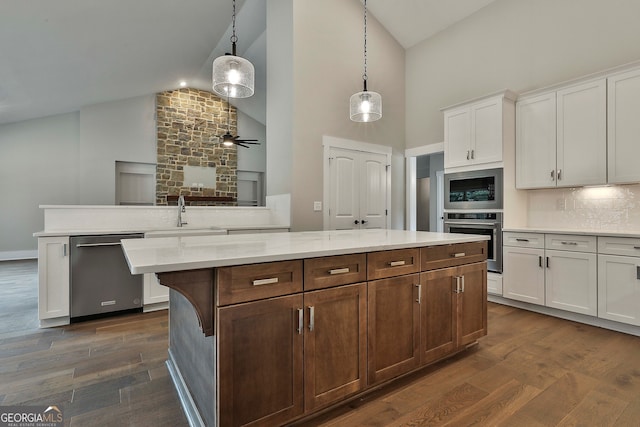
point(154, 293)
point(523, 270)
point(623, 97)
point(561, 138)
point(474, 133)
point(53, 278)
point(554, 270)
point(494, 283)
point(571, 281)
point(619, 279)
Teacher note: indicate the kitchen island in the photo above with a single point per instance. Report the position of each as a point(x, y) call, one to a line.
point(266, 329)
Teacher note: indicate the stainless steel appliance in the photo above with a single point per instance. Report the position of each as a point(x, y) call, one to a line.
point(100, 278)
point(485, 223)
point(480, 189)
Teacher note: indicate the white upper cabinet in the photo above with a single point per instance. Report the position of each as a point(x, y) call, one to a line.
point(624, 127)
point(474, 132)
point(536, 141)
point(561, 137)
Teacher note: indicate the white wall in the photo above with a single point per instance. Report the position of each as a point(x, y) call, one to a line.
point(252, 158)
point(327, 70)
point(38, 166)
point(515, 44)
point(121, 130)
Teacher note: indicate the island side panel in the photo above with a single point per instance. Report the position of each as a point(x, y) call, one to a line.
point(194, 355)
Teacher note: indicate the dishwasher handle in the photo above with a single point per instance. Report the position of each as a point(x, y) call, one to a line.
point(93, 245)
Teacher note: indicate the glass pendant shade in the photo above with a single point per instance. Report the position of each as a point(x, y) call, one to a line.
point(233, 76)
point(365, 106)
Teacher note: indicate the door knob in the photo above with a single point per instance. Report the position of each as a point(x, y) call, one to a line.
point(356, 222)
point(364, 221)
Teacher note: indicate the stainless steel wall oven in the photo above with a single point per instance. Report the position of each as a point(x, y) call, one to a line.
point(485, 223)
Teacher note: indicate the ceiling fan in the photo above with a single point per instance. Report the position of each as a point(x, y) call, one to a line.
point(228, 140)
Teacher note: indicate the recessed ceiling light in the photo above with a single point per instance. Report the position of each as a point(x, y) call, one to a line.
point(183, 84)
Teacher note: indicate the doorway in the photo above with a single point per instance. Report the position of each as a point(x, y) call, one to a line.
point(425, 188)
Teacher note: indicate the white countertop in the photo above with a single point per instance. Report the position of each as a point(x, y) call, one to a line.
point(582, 232)
point(193, 252)
point(97, 231)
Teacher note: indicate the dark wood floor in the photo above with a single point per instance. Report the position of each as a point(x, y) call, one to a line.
point(531, 370)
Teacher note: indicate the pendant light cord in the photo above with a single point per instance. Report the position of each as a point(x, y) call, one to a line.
point(364, 76)
point(234, 38)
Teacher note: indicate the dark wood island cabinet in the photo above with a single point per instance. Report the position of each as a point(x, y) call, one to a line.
point(278, 341)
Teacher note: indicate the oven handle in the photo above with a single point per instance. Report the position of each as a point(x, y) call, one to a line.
point(490, 224)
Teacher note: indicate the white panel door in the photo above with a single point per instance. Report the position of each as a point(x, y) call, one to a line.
point(623, 127)
point(344, 203)
point(619, 288)
point(358, 189)
point(486, 131)
point(523, 274)
point(582, 134)
point(536, 142)
point(373, 190)
point(457, 138)
point(571, 281)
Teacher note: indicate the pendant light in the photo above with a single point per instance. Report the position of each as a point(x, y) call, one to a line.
point(233, 76)
point(365, 106)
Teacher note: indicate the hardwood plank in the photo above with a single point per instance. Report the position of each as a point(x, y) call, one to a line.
point(595, 406)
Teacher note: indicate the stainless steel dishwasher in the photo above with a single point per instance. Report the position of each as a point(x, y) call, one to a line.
point(100, 278)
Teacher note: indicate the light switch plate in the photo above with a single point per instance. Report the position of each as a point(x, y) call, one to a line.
point(317, 206)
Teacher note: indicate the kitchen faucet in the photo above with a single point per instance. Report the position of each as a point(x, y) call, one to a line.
point(181, 209)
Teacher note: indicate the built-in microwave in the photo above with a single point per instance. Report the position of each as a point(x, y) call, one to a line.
point(479, 189)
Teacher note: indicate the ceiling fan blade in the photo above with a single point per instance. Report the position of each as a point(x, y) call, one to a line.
point(240, 144)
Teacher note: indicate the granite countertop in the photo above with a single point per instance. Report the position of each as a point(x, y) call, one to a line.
point(193, 252)
point(582, 232)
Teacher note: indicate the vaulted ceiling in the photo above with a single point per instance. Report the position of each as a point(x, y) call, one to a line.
point(57, 56)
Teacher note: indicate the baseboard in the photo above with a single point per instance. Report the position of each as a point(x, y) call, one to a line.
point(147, 308)
point(567, 315)
point(188, 404)
point(18, 255)
point(56, 321)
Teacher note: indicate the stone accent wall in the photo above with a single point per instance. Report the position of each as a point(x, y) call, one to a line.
point(188, 122)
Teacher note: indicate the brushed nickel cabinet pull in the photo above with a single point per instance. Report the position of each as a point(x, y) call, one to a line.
point(472, 154)
point(259, 282)
point(339, 270)
point(64, 249)
point(521, 240)
point(458, 255)
point(312, 321)
point(540, 261)
point(547, 262)
point(468, 155)
point(457, 284)
point(553, 175)
point(570, 243)
point(462, 286)
point(419, 300)
point(396, 263)
point(559, 174)
point(300, 320)
point(636, 247)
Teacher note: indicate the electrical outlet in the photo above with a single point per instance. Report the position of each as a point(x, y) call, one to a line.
point(317, 206)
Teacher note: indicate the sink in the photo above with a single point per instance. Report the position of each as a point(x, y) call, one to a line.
point(185, 231)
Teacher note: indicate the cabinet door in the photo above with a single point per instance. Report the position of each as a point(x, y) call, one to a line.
point(154, 292)
point(53, 277)
point(536, 142)
point(619, 289)
point(571, 281)
point(438, 318)
point(393, 327)
point(523, 274)
point(260, 347)
point(335, 344)
point(457, 137)
point(582, 134)
point(472, 303)
point(372, 192)
point(623, 127)
point(486, 131)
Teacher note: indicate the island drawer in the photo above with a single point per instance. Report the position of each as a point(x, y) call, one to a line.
point(397, 262)
point(258, 281)
point(337, 270)
point(625, 246)
point(442, 256)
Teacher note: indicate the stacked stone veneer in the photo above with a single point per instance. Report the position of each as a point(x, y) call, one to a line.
point(189, 121)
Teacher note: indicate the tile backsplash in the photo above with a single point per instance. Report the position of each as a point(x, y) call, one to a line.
point(611, 208)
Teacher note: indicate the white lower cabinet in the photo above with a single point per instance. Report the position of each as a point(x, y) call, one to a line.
point(571, 281)
point(494, 283)
point(153, 291)
point(53, 277)
point(539, 270)
point(619, 279)
point(523, 274)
